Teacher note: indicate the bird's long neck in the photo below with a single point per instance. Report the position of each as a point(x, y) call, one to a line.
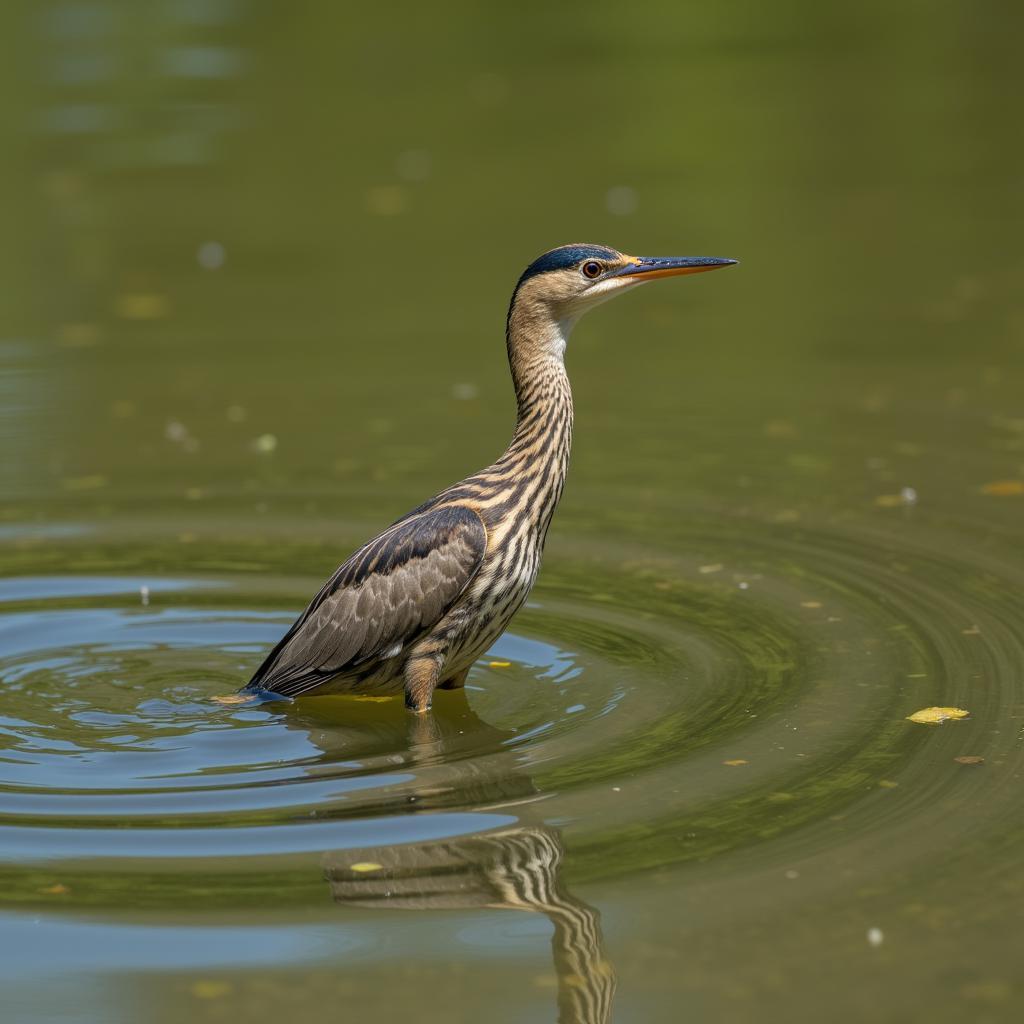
point(522, 488)
point(537, 459)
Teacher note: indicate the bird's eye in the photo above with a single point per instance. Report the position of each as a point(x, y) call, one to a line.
point(592, 269)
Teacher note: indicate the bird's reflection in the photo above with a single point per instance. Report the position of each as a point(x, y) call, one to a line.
point(458, 760)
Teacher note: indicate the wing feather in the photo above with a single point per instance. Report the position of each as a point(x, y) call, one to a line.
point(389, 593)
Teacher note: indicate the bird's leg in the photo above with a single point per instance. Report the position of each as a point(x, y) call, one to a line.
point(421, 675)
point(456, 682)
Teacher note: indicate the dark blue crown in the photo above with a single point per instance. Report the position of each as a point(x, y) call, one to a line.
point(564, 257)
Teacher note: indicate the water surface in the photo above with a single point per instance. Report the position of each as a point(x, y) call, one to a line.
point(255, 268)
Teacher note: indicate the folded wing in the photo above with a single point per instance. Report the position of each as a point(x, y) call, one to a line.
point(387, 595)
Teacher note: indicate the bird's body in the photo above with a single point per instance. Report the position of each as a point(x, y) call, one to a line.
point(416, 606)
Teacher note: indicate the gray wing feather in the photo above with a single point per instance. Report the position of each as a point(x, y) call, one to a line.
point(390, 592)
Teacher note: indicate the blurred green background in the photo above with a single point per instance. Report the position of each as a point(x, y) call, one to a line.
point(230, 219)
point(255, 260)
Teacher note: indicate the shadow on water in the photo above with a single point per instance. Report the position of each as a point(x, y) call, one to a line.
point(517, 868)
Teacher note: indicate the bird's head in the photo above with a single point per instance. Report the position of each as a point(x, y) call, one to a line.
point(556, 289)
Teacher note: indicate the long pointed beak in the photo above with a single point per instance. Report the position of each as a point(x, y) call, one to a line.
point(647, 268)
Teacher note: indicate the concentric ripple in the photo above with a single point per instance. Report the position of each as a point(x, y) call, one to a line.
point(653, 709)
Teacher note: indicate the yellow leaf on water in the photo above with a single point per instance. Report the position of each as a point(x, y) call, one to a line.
point(141, 306)
point(210, 989)
point(735, 762)
point(55, 890)
point(706, 569)
point(1003, 488)
point(936, 716)
point(810, 604)
point(233, 698)
point(366, 865)
point(500, 664)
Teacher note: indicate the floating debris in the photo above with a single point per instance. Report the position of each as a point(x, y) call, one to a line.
point(364, 866)
point(211, 255)
point(936, 716)
point(735, 762)
point(57, 889)
point(905, 499)
point(210, 989)
point(969, 759)
point(810, 604)
point(265, 444)
point(176, 431)
point(706, 569)
point(621, 200)
point(875, 937)
point(141, 306)
point(1004, 488)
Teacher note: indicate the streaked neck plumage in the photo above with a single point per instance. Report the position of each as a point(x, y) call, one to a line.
point(522, 488)
point(537, 458)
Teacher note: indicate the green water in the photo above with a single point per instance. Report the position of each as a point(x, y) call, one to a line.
point(254, 267)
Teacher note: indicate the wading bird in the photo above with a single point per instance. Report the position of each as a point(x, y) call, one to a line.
point(413, 608)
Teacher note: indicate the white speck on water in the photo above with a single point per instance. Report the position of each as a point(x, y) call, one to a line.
point(574, 708)
point(744, 585)
point(144, 595)
point(875, 937)
point(211, 255)
point(621, 200)
point(175, 431)
point(791, 874)
point(908, 495)
point(616, 789)
point(265, 444)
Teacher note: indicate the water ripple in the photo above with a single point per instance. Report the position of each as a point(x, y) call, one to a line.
point(653, 709)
